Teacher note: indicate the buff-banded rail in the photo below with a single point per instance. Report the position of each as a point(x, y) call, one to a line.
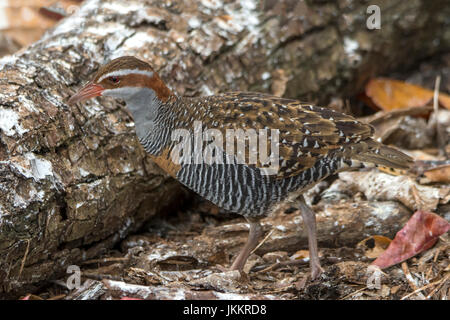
point(310, 144)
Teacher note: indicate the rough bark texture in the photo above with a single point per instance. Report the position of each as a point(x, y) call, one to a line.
point(74, 180)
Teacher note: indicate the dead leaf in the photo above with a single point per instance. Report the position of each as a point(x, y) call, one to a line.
point(394, 289)
point(388, 94)
point(225, 17)
point(52, 13)
point(301, 254)
point(385, 291)
point(422, 156)
point(25, 22)
point(420, 233)
point(439, 174)
point(374, 246)
point(382, 117)
point(403, 127)
point(31, 297)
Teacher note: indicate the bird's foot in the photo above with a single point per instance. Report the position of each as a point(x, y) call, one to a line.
point(316, 270)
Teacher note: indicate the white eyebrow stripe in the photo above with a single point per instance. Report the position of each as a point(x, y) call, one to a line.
point(124, 72)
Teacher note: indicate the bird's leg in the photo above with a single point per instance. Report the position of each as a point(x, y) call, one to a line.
point(309, 220)
point(254, 235)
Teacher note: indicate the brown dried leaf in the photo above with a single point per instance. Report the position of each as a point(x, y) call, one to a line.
point(31, 297)
point(388, 94)
point(439, 174)
point(387, 122)
point(301, 254)
point(420, 233)
point(374, 246)
point(25, 21)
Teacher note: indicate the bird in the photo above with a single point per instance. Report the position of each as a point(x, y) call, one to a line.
point(310, 143)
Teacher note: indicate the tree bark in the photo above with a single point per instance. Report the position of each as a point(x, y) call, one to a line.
point(74, 180)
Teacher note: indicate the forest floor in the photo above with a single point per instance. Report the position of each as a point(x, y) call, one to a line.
point(181, 256)
point(182, 260)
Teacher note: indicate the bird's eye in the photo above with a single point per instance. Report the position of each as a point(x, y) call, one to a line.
point(114, 80)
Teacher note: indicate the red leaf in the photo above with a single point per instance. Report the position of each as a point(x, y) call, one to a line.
point(420, 233)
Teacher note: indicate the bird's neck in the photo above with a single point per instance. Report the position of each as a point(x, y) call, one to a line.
point(153, 119)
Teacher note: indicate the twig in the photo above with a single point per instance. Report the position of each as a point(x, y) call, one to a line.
point(58, 297)
point(105, 260)
point(440, 282)
point(439, 134)
point(354, 292)
point(24, 258)
point(283, 264)
point(262, 242)
point(411, 280)
point(102, 276)
point(436, 255)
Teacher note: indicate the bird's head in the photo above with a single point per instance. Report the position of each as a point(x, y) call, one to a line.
point(123, 78)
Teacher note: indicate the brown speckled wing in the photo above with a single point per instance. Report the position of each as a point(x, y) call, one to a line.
point(306, 133)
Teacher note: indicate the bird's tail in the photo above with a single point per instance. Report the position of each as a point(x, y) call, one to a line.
point(375, 153)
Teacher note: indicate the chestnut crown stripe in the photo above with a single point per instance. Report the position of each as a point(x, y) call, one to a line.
point(125, 72)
